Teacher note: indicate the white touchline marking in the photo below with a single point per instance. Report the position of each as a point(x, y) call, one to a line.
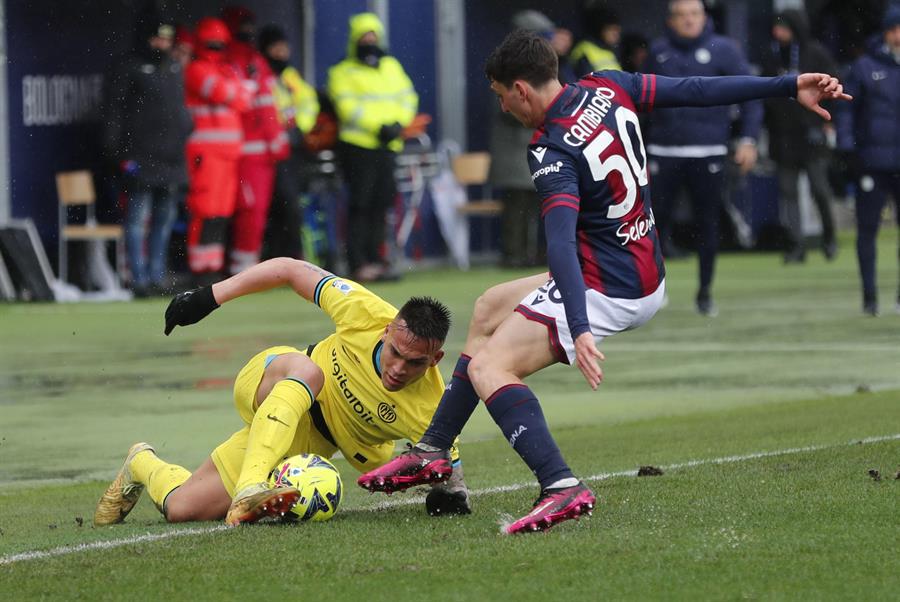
point(418, 499)
point(632, 473)
point(658, 347)
point(105, 545)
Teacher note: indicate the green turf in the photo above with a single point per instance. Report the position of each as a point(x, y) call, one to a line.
point(790, 362)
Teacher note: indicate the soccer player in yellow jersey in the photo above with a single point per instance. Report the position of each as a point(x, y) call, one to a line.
point(373, 381)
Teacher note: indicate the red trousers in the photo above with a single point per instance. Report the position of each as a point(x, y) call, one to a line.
point(210, 203)
point(254, 196)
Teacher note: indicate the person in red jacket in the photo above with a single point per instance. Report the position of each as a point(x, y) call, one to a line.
point(265, 141)
point(215, 98)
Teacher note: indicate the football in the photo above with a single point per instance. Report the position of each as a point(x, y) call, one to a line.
point(318, 481)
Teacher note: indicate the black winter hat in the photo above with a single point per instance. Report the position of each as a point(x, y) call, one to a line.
point(891, 18)
point(268, 35)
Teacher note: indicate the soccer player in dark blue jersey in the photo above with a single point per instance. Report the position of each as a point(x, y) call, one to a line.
point(589, 166)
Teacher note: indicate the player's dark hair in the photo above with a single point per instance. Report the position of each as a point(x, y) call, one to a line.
point(426, 318)
point(524, 55)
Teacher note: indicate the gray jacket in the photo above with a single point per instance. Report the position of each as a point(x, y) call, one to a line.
point(509, 144)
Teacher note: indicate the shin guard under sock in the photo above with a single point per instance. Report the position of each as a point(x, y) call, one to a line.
point(517, 412)
point(456, 407)
point(272, 430)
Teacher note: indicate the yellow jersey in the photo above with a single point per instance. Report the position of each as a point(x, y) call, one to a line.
point(363, 417)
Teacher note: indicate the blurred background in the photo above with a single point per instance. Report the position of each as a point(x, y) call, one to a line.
point(79, 79)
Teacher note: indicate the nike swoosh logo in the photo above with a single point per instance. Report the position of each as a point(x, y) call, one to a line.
point(276, 419)
point(540, 508)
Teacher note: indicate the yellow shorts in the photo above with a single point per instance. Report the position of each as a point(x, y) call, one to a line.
point(229, 456)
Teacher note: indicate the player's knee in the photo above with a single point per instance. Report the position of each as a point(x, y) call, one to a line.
point(479, 367)
point(179, 510)
point(303, 368)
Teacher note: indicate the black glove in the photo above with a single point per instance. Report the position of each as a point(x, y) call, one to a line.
point(389, 132)
point(440, 502)
point(190, 307)
point(450, 497)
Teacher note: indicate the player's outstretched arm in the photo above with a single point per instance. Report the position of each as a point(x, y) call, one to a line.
point(300, 275)
point(192, 306)
point(813, 88)
point(808, 88)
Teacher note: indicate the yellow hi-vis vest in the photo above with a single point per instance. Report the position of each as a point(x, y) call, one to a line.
point(366, 98)
point(599, 58)
point(296, 100)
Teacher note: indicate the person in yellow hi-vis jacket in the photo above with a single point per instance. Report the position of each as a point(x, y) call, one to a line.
point(372, 381)
point(298, 107)
point(374, 100)
point(597, 51)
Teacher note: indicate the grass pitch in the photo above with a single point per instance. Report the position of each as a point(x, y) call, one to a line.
point(790, 368)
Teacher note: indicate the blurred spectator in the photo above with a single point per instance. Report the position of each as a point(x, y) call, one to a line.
point(635, 50)
point(597, 51)
point(215, 96)
point(848, 26)
point(145, 127)
point(869, 132)
point(562, 44)
point(183, 47)
point(298, 107)
point(374, 100)
point(509, 175)
point(265, 141)
point(797, 137)
point(688, 146)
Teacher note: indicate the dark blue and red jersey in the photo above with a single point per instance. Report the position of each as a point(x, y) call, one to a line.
point(589, 167)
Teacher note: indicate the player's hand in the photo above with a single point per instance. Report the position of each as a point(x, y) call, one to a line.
point(745, 156)
point(190, 307)
point(450, 497)
point(813, 88)
point(587, 358)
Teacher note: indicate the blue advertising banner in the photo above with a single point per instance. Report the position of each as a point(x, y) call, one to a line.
point(58, 53)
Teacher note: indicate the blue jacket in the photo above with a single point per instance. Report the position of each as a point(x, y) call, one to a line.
point(870, 124)
point(707, 55)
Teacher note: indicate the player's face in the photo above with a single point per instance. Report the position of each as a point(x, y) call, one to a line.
point(404, 357)
point(513, 100)
point(687, 18)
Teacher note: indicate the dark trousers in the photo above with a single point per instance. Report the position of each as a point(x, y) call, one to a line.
point(520, 228)
point(704, 179)
point(871, 193)
point(283, 231)
point(816, 168)
point(370, 179)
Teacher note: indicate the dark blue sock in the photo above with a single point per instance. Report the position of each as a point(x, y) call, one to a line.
point(456, 407)
point(517, 412)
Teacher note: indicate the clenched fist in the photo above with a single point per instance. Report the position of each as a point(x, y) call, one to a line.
point(190, 307)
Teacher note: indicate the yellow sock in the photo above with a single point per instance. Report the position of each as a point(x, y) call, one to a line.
point(160, 478)
point(272, 430)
